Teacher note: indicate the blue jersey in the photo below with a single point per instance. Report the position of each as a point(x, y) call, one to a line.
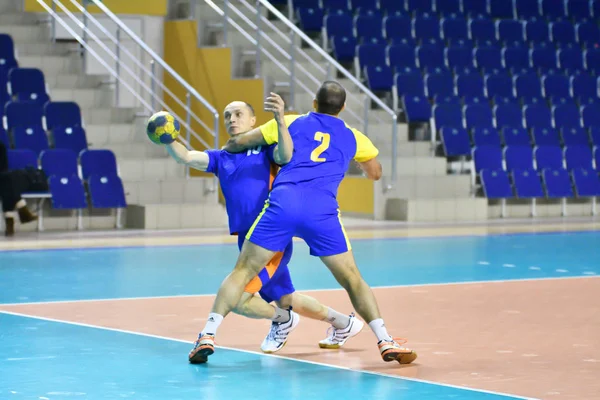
point(246, 180)
point(323, 148)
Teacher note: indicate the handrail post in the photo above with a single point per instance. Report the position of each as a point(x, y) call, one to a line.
point(290, 7)
point(258, 32)
point(366, 116)
point(53, 23)
point(118, 66)
point(293, 72)
point(192, 9)
point(84, 36)
point(152, 85)
point(394, 149)
point(225, 22)
point(216, 130)
point(188, 102)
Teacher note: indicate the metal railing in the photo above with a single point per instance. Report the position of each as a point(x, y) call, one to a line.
point(145, 76)
point(302, 74)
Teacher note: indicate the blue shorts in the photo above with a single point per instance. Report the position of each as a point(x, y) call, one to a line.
point(273, 281)
point(310, 214)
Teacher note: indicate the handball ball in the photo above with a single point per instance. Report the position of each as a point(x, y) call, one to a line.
point(162, 128)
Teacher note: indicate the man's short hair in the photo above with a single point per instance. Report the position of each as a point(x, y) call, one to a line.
point(331, 98)
point(250, 108)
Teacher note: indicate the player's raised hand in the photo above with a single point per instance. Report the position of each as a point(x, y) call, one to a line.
point(274, 103)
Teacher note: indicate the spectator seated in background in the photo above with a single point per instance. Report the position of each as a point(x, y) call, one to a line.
point(12, 185)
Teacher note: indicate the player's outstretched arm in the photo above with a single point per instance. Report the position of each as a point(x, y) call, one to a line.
point(366, 156)
point(372, 168)
point(194, 159)
point(244, 141)
point(285, 146)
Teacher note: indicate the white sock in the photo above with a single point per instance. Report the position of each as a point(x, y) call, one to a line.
point(281, 316)
point(20, 204)
point(378, 328)
point(337, 319)
point(212, 323)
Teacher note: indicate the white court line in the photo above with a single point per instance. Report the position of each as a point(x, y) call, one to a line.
point(309, 290)
point(270, 355)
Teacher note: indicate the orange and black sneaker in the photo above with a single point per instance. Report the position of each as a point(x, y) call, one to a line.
point(391, 350)
point(203, 347)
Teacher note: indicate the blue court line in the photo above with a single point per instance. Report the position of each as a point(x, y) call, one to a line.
point(398, 238)
point(139, 356)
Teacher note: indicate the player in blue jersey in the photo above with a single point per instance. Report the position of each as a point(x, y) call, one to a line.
point(245, 180)
point(316, 149)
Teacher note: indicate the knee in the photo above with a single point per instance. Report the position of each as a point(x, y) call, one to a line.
point(242, 307)
point(286, 301)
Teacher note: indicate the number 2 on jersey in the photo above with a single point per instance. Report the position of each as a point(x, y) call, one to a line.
point(316, 153)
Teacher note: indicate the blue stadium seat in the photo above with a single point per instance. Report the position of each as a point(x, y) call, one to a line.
point(475, 8)
point(562, 34)
point(516, 59)
point(311, 19)
point(106, 192)
point(516, 137)
point(595, 138)
point(468, 100)
point(368, 26)
point(344, 48)
point(439, 84)
point(448, 8)
point(548, 157)
point(488, 59)
point(371, 55)
point(482, 29)
point(430, 57)
point(578, 157)
point(501, 9)
point(308, 3)
point(73, 139)
point(401, 55)
point(7, 52)
point(586, 182)
point(469, 85)
point(62, 113)
point(410, 84)
point(458, 56)
point(544, 59)
point(4, 137)
point(335, 5)
point(575, 136)
point(499, 85)
point(59, 162)
point(392, 7)
point(545, 137)
point(556, 86)
point(456, 142)
point(23, 114)
point(417, 108)
point(595, 5)
point(537, 116)
point(496, 184)
point(397, 26)
point(370, 10)
point(67, 192)
point(486, 136)
point(447, 115)
point(527, 10)
point(379, 78)
point(454, 28)
point(597, 157)
point(557, 183)
point(419, 6)
point(426, 28)
point(553, 9)
point(570, 61)
point(591, 115)
point(518, 157)
point(578, 10)
point(451, 99)
point(508, 116)
point(97, 162)
point(566, 116)
point(28, 84)
point(338, 25)
point(510, 31)
point(591, 58)
point(479, 115)
point(527, 184)
point(487, 157)
point(537, 32)
point(20, 159)
point(528, 86)
point(32, 138)
point(584, 87)
point(588, 34)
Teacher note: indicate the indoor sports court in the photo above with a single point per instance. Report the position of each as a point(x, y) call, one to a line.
point(494, 311)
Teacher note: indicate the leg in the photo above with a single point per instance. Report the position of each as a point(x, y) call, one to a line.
point(251, 306)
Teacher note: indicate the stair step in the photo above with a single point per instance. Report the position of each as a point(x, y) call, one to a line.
point(176, 216)
point(171, 191)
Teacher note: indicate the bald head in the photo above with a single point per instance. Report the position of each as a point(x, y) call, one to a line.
point(330, 98)
point(239, 117)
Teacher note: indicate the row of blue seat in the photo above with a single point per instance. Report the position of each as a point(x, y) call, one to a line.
point(521, 9)
point(550, 183)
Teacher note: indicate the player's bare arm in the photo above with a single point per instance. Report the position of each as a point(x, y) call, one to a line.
point(244, 141)
point(372, 168)
point(194, 159)
point(285, 147)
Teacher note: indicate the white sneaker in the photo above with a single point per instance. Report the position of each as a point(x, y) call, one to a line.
point(278, 335)
point(338, 337)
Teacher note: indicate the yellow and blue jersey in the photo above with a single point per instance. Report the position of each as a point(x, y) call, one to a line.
point(323, 148)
